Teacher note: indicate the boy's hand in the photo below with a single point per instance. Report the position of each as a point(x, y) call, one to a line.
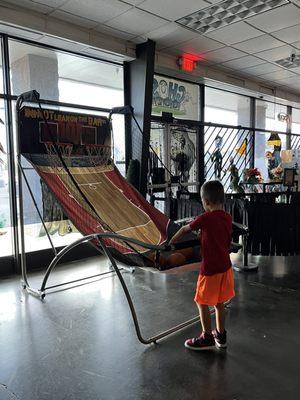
point(181, 232)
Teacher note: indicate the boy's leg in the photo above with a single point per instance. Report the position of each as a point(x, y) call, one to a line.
point(220, 317)
point(220, 333)
point(206, 339)
point(205, 317)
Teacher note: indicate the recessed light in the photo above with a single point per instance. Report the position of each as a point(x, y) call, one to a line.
point(226, 13)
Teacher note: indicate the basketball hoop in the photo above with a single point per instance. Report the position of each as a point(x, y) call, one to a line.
point(98, 154)
point(64, 149)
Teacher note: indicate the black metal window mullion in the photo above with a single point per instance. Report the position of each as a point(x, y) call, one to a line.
point(252, 125)
point(11, 150)
point(289, 127)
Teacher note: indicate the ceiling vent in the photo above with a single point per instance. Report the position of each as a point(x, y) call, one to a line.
point(226, 13)
point(293, 61)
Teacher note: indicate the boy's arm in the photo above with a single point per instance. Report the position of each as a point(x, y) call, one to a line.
point(181, 232)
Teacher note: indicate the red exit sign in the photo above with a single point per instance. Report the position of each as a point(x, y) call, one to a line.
point(186, 64)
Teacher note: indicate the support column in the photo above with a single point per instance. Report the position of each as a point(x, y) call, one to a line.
point(36, 72)
point(138, 81)
point(39, 73)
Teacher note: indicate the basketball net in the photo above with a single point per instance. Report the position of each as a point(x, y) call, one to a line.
point(98, 154)
point(65, 149)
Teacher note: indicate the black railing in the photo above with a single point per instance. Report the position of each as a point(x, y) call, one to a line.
point(236, 148)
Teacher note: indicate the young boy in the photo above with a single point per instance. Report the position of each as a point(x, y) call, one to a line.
point(215, 282)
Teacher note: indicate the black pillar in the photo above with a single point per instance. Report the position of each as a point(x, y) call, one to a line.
point(138, 85)
point(201, 141)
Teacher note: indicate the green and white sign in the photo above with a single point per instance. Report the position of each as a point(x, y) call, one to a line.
point(179, 98)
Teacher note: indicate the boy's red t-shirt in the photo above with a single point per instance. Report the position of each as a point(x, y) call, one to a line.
point(215, 238)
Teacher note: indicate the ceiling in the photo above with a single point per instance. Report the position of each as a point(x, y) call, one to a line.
point(247, 48)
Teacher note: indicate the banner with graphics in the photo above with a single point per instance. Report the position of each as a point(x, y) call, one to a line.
point(177, 97)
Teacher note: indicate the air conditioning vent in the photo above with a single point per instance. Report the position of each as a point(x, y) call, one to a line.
point(293, 61)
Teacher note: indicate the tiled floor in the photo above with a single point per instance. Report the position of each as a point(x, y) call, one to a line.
point(80, 343)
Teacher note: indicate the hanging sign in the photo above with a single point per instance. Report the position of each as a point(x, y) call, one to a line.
point(178, 97)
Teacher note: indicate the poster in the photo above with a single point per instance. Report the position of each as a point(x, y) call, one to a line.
point(177, 97)
point(183, 154)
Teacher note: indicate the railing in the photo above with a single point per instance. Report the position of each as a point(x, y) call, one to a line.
point(236, 146)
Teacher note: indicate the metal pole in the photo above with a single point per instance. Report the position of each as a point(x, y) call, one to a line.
point(21, 211)
point(36, 207)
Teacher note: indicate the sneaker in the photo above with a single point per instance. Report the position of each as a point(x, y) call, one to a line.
point(220, 339)
point(204, 342)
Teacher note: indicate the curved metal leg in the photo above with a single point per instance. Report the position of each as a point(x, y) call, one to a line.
point(152, 339)
point(99, 237)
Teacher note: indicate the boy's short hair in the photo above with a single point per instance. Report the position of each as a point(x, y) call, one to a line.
point(213, 192)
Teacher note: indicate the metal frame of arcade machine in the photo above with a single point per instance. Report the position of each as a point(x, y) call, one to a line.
point(33, 97)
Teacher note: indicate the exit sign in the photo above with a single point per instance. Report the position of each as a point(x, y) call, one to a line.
point(186, 64)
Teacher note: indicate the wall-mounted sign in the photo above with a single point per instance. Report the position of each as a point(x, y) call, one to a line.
point(179, 98)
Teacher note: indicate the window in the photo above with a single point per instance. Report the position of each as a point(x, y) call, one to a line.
point(226, 108)
point(1, 72)
point(296, 120)
point(65, 78)
point(70, 79)
point(295, 139)
point(269, 116)
point(5, 220)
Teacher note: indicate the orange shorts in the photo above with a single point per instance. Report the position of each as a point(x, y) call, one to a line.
point(214, 289)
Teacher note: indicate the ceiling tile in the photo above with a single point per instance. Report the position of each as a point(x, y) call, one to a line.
point(173, 9)
point(296, 70)
point(278, 18)
point(222, 55)
point(244, 62)
point(74, 19)
point(288, 35)
point(290, 80)
point(133, 2)
point(278, 75)
point(42, 8)
point(170, 34)
point(96, 10)
point(260, 43)
point(275, 54)
point(51, 3)
point(261, 69)
point(137, 22)
point(234, 33)
point(296, 44)
point(114, 32)
point(198, 46)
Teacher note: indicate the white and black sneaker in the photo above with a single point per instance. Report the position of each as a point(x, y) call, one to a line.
point(220, 339)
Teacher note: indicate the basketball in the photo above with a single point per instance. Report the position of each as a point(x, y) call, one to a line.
point(176, 259)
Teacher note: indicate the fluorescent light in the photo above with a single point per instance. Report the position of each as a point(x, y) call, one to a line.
point(226, 13)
